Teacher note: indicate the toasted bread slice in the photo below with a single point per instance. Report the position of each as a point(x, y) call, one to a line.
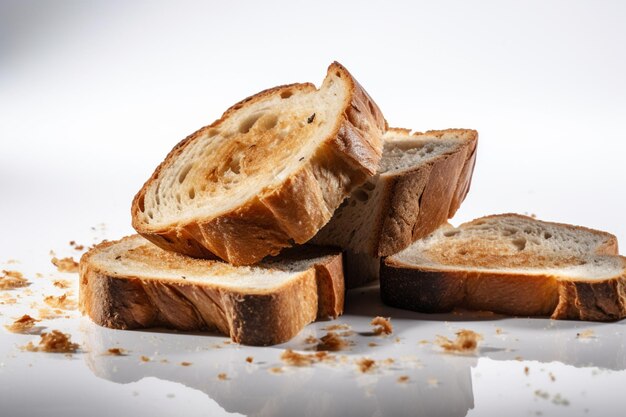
point(131, 284)
point(269, 173)
point(422, 180)
point(510, 264)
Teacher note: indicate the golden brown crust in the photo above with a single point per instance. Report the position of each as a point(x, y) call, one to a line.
point(432, 290)
point(423, 199)
point(129, 302)
point(294, 211)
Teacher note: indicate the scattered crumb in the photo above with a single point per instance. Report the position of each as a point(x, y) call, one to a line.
point(389, 361)
point(226, 342)
point(164, 361)
point(7, 299)
point(65, 264)
point(372, 344)
point(222, 376)
point(144, 358)
point(22, 325)
point(38, 275)
point(62, 283)
point(47, 314)
point(332, 342)
point(76, 246)
point(185, 364)
point(558, 400)
point(542, 394)
point(335, 327)
point(275, 370)
point(55, 342)
point(424, 342)
point(518, 358)
point(304, 359)
point(402, 379)
point(382, 325)
point(61, 301)
point(552, 377)
point(433, 382)
point(526, 370)
point(585, 334)
point(12, 261)
point(115, 352)
point(499, 331)
point(12, 279)
point(365, 364)
point(311, 339)
point(249, 359)
point(466, 341)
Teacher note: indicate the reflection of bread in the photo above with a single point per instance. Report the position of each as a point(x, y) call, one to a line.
point(132, 283)
point(510, 264)
point(323, 390)
point(422, 180)
point(269, 173)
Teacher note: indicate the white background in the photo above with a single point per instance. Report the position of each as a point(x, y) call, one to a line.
point(94, 94)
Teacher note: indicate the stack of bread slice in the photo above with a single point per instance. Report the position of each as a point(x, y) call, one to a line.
point(256, 224)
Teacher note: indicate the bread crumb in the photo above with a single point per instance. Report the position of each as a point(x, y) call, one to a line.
point(249, 359)
point(275, 370)
point(466, 341)
point(115, 352)
point(542, 394)
point(185, 364)
point(424, 342)
point(62, 283)
point(61, 301)
point(144, 358)
point(552, 377)
point(382, 325)
point(222, 376)
point(12, 279)
point(332, 342)
point(372, 344)
point(518, 358)
point(433, 382)
point(76, 246)
point(7, 299)
point(335, 327)
point(586, 334)
point(47, 314)
point(65, 264)
point(558, 400)
point(304, 359)
point(54, 342)
point(22, 325)
point(366, 365)
point(526, 370)
point(403, 379)
point(499, 331)
point(38, 275)
point(311, 340)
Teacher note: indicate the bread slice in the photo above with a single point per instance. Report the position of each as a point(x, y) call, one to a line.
point(510, 264)
point(269, 173)
point(422, 180)
point(131, 284)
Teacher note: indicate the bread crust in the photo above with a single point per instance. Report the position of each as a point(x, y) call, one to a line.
point(422, 199)
point(254, 318)
point(433, 290)
point(295, 210)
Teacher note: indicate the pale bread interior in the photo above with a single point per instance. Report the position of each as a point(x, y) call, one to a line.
point(353, 223)
point(256, 148)
point(134, 256)
point(515, 244)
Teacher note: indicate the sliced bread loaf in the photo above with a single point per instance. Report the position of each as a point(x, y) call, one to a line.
point(510, 264)
point(422, 180)
point(131, 283)
point(269, 173)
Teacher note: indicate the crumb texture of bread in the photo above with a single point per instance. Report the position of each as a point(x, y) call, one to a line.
point(268, 174)
point(422, 180)
point(131, 284)
point(510, 264)
point(10, 280)
point(53, 342)
point(23, 324)
point(466, 342)
point(382, 325)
